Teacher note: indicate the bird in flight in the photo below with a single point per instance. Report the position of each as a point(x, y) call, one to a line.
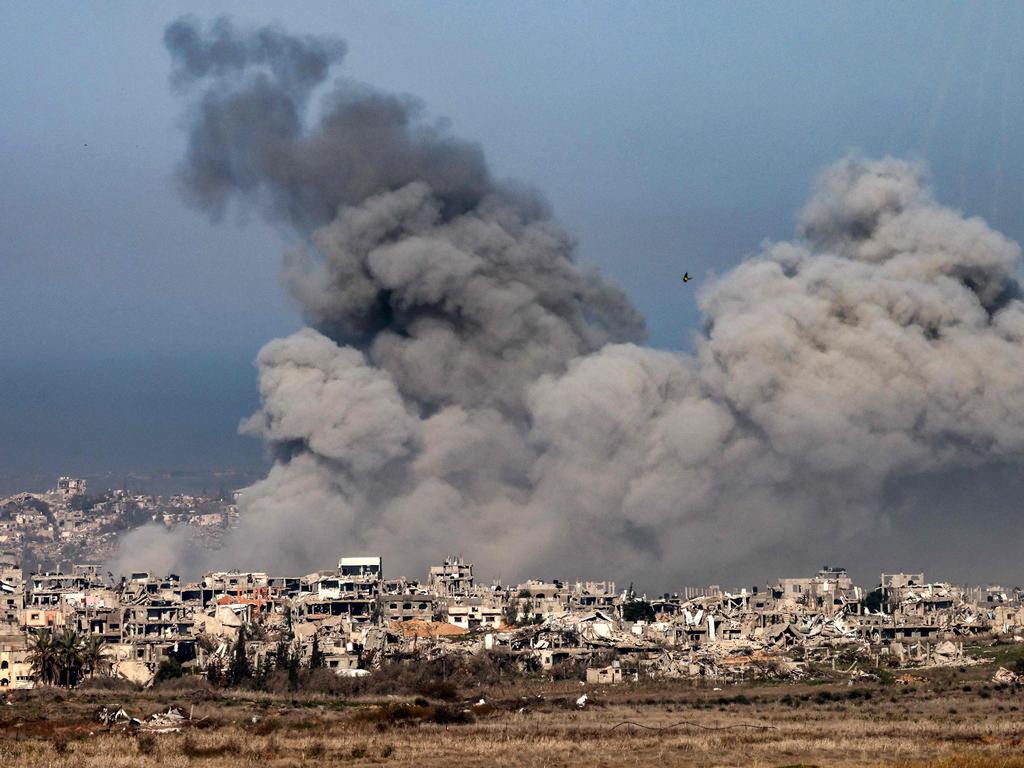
point(686, 277)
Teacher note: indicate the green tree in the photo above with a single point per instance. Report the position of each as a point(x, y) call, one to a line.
point(261, 673)
point(42, 655)
point(293, 670)
point(316, 656)
point(214, 674)
point(510, 614)
point(169, 669)
point(239, 669)
point(69, 656)
point(281, 656)
point(93, 654)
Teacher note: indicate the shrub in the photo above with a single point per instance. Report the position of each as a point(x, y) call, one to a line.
point(441, 689)
point(169, 669)
point(408, 715)
point(60, 744)
point(189, 684)
point(113, 684)
point(267, 726)
point(146, 743)
point(190, 748)
point(316, 749)
point(452, 716)
point(392, 714)
point(324, 681)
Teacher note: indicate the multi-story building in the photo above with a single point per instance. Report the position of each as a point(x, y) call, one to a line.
point(12, 589)
point(71, 486)
point(454, 577)
point(352, 592)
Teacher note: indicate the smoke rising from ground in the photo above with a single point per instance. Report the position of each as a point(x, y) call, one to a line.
point(465, 386)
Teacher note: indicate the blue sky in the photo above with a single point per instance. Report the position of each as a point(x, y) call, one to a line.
point(669, 137)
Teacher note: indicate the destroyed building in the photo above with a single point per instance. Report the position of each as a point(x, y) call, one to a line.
point(67, 523)
point(451, 578)
point(357, 620)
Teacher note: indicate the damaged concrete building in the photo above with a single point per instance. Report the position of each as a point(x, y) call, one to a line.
point(358, 621)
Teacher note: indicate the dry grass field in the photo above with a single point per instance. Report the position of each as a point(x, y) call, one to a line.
point(952, 718)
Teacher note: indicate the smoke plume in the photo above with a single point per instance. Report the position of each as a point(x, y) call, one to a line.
point(464, 385)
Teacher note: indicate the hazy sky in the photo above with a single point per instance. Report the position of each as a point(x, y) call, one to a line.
point(669, 137)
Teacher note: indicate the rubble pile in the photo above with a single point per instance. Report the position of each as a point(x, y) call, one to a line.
point(171, 721)
point(1006, 677)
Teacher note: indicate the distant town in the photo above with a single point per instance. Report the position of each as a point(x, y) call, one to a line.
point(68, 523)
point(352, 619)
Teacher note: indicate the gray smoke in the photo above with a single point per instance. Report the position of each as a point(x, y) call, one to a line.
point(464, 385)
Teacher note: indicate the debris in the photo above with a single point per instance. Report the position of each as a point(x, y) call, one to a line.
point(1003, 675)
point(908, 680)
point(165, 722)
point(116, 716)
point(170, 721)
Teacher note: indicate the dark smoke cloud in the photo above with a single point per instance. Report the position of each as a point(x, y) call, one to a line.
point(466, 386)
point(248, 137)
point(298, 64)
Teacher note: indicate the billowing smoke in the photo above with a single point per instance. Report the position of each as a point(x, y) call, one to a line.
point(465, 386)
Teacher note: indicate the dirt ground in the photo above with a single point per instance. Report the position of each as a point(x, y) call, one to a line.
point(948, 717)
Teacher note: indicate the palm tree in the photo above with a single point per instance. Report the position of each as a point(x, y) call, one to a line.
point(42, 655)
point(93, 656)
point(69, 656)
